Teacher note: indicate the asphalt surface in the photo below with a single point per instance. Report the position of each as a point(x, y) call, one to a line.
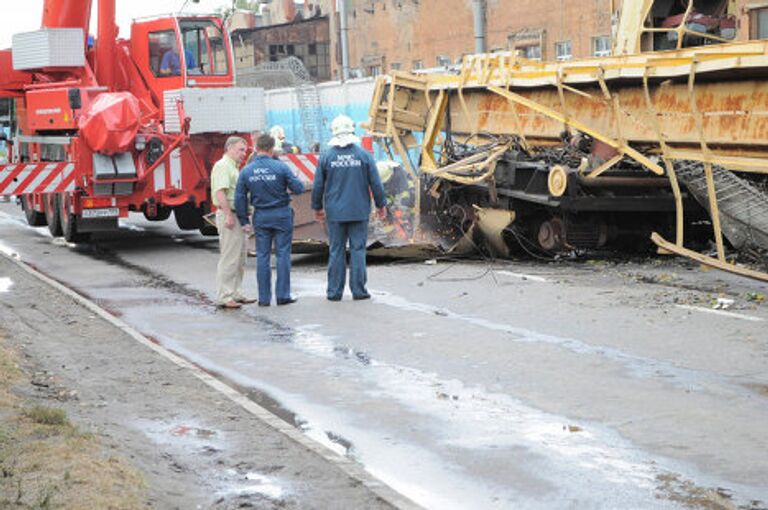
point(472, 384)
point(193, 442)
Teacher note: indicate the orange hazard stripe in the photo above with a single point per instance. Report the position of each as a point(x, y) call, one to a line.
point(303, 168)
point(66, 182)
point(294, 161)
point(22, 188)
point(55, 173)
point(8, 180)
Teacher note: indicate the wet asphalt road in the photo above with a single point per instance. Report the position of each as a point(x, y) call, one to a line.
point(466, 385)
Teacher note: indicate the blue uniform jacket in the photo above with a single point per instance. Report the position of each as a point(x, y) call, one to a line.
point(267, 182)
point(344, 181)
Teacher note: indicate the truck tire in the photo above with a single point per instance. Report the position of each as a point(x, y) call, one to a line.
point(34, 218)
point(163, 213)
point(53, 213)
point(209, 230)
point(69, 221)
point(188, 217)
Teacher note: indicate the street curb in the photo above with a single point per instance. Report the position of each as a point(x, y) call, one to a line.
point(349, 467)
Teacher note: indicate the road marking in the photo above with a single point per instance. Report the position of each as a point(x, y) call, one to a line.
point(346, 465)
point(524, 276)
point(732, 315)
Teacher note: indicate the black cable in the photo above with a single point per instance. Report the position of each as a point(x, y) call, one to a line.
point(548, 256)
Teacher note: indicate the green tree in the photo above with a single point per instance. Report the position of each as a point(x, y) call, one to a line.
point(248, 5)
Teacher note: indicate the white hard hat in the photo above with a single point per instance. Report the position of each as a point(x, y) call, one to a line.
point(277, 132)
point(342, 125)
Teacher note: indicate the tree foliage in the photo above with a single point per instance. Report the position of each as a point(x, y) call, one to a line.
point(247, 5)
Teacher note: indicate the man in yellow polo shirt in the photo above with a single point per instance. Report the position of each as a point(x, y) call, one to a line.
point(229, 275)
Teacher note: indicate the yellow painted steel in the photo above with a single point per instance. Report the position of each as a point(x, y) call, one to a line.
point(707, 261)
point(557, 181)
point(707, 105)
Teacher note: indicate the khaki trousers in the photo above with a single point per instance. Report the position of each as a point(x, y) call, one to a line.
point(232, 250)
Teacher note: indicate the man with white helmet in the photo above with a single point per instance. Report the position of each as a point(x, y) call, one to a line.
point(281, 145)
point(341, 195)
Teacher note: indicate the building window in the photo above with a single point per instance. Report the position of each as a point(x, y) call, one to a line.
point(374, 71)
point(532, 52)
point(601, 46)
point(563, 50)
point(443, 61)
point(417, 64)
point(395, 66)
point(758, 20)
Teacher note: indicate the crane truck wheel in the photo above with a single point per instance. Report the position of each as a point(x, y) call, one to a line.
point(209, 230)
point(34, 218)
point(188, 217)
point(52, 214)
point(162, 214)
point(69, 221)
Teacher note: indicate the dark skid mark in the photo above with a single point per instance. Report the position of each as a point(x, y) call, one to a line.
point(151, 279)
point(155, 280)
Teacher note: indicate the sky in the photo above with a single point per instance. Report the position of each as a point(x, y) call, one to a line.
point(25, 15)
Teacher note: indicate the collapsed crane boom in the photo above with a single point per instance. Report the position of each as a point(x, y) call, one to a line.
point(623, 117)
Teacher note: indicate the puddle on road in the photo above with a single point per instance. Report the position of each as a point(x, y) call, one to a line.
point(417, 432)
point(5, 284)
point(637, 366)
point(186, 446)
point(247, 486)
point(350, 391)
point(496, 429)
point(185, 434)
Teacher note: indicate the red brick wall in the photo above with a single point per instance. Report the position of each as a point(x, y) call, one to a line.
point(383, 32)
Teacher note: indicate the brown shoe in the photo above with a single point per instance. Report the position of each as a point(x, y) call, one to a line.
point(230, 305)
point(245, 300)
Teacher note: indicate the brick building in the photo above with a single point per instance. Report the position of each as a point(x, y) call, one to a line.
point(411, 34)
point(307, 39)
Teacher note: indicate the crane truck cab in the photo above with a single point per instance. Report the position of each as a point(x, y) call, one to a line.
point(175, 52)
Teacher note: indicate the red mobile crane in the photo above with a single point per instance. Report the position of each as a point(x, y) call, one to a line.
point(107, 126)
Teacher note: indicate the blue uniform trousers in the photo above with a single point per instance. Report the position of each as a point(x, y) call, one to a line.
point(339, 232)
point(273, 225)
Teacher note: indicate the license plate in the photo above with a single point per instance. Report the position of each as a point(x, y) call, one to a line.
point(111, 212)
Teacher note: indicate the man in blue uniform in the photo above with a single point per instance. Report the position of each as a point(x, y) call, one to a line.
point(264, 183)
point(171, 63)
point(341, 195)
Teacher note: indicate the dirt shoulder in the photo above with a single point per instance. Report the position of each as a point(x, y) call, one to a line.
point(133, 426)
point(46, 461)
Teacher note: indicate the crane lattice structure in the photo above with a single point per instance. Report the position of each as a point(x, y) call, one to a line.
point(291, 72)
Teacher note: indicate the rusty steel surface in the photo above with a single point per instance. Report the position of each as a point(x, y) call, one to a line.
point(735, 115)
